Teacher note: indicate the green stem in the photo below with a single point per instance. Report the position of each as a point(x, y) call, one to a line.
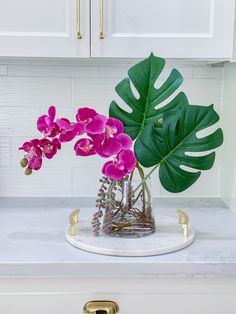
point(145, 187)
point(147, 176)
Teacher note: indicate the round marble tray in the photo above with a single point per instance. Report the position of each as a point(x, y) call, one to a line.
point(168, 238)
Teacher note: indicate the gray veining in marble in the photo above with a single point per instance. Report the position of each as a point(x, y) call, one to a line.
point(32, 242)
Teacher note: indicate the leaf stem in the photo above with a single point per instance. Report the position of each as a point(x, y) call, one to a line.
point(146, 177)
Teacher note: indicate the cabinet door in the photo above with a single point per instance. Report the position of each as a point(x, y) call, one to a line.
point(173, 29)
point(44, 28)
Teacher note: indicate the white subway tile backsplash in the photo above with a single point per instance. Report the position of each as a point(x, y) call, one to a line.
point(208, 72)
point(3, 70)
point(34, 92)
point(27, 89)
point(203, 92)
point(119, 72)
point(86, 181)
point(55, 182)
point(18, 121)
point(53, 71)
point(5, 152)
point(96, 93)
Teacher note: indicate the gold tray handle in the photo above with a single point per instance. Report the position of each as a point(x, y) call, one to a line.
point(184, 221)
point(73, 218)
point(96, 307)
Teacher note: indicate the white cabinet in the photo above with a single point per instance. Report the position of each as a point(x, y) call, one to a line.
point(45, 28)
point(172, 29)
point(199, 29)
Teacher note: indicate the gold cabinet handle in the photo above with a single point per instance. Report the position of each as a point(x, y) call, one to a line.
point(79, 36)
point(101, 34)
point(96, 307)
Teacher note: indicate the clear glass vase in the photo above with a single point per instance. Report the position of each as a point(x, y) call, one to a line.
point(127, 208)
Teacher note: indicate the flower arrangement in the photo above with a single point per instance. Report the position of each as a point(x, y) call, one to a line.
point(161, 131)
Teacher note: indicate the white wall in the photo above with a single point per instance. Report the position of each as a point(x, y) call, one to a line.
point(28, 88)
point(228, 171)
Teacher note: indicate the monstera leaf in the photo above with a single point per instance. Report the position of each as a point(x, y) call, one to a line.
point(143, 110)
point(168, 146)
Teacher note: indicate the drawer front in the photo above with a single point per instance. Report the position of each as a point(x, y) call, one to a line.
point(133, 296)
point(128, 304)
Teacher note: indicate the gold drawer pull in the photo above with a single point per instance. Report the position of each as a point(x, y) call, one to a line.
point(101, 34)
point(101, 307)
point(79, 36)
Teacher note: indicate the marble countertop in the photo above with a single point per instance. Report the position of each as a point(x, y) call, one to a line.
point(32, 242)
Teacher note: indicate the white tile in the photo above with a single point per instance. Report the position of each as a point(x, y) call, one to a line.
point(53, 71)
point(208, 72)
point(14, 60)
point(96, 93)
point(33, 92)
point(86, 181)
point(115, 71)
point(18, 122)
point(203, 92)
point(5, 151)
point(45, 182)
point(82, 62)
point(68, 112)
point(3, 70)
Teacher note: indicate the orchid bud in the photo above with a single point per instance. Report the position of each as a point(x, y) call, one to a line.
point(24, 162)
point(28, 171)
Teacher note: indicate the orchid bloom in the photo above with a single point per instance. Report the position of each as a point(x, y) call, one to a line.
point(68, 131)
point(46, 124)
point(114, 139)
point(50, 147)
point(34, 154)
point(93, 122)
point(122, 165)
point(84, 147)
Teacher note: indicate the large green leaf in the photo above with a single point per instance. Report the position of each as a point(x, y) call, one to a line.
point(143, 110)
point(168, 146)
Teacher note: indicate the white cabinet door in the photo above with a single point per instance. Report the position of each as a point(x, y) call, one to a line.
point(44, 28)
point(170, 28)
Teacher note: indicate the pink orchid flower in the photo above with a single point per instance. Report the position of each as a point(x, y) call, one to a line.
point(93, 122)
point(114, 139)
point(34, 154)
point(84, 147)
point(123, 164)
point(68, 130)
point(50, 147)
point(46, 124)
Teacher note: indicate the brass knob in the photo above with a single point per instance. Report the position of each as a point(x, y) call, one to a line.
point(101, 307)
